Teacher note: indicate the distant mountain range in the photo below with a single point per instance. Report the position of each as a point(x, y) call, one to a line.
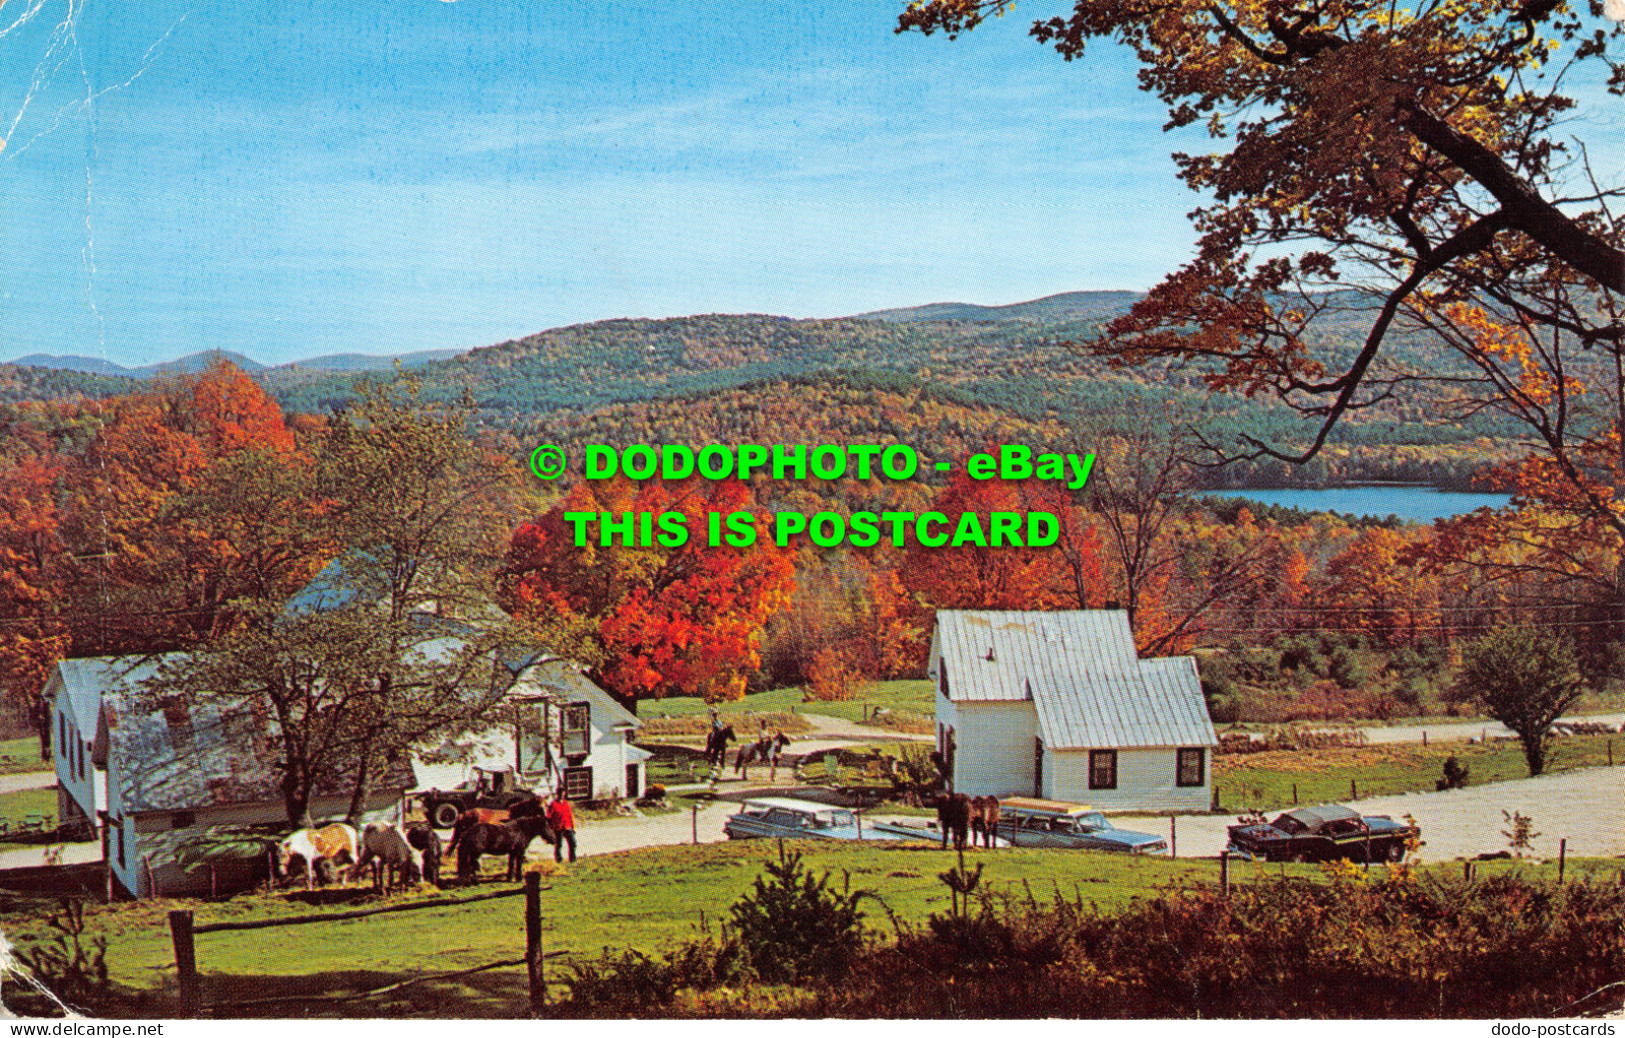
point(332, 363)
point(1067, 306)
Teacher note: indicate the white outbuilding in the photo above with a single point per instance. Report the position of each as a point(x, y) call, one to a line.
point(1059, 705)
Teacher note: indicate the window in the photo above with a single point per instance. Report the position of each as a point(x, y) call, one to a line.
point(1191, 766)
point(577, 722)
point(1102, 769)
point(578, 783)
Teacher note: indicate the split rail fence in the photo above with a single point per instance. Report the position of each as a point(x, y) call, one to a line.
point(184, 931)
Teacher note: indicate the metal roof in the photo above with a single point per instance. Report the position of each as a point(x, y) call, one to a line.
point(1080, 670)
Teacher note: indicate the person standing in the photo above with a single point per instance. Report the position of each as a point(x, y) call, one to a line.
point(563, 820)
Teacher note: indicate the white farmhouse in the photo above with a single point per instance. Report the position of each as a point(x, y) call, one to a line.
point(564, 733)
point(1059, 705)
point(155, 774)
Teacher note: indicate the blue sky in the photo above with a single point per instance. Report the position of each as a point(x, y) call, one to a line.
point(299, 178)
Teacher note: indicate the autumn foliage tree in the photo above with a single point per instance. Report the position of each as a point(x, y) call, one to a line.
point(679, 619)
point(1403, 168)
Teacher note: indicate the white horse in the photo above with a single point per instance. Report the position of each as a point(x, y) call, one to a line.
point(386, 848)
point(336, 843)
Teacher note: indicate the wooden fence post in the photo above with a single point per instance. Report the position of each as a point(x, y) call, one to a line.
point(696, 819)
point(1610, 753)
point(1173, 836)
point(1224, 874)
point(1294, 794)
point(1354, 793)
point(191, 993)
point(533, 943)
point(1562, 857)
point(1424, 737)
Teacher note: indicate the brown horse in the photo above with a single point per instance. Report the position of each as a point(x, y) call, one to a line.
point(984, 820)
point(511, 839)
point(953, 815)
point(472, 817)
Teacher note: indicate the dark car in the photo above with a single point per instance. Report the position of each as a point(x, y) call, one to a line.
point(490, 788)
point(1323, 833)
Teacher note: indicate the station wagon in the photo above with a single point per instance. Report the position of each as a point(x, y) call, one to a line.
point(799, 819)
point(1030, 822)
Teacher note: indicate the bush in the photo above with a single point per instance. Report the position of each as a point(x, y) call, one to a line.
point(1348, 668)
point(1349, 944)
point(1398, 947)
point(633, 984)
point(1301, 653)
point(1416, 661)
point(794, 927)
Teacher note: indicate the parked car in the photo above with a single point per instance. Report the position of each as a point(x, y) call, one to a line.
point(800, 819)
point(1323, 833)
point(490, 788)
point(1030, 822)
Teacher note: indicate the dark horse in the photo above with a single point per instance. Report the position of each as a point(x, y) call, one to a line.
point(765, 750)
point(953, 815)
point(422, 836)
point(984, 820)
point(716, 745)
point(511, 838)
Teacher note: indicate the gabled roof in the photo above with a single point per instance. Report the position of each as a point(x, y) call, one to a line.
point(171, 754)
point(181, 754)
point(1080, 670)
point(561, 681)
point(352, 579)
point(82, 681)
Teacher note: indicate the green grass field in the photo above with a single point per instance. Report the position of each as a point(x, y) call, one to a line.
point(15, 807)
point(648, 900)
point(21, 755)
point(1266, 780)
point(912, 696)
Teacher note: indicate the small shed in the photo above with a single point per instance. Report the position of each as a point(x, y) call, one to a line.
point(1059, 705)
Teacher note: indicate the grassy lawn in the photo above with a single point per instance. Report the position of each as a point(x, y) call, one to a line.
point(909, 696)
point(14, 807)
point(647, 900)
point(21, 755)
point(1266, 780)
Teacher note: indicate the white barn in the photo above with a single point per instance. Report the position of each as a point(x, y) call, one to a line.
point(1059, 705)
point(154, 777)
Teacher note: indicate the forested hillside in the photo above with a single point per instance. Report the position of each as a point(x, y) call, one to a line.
point(1017, 368)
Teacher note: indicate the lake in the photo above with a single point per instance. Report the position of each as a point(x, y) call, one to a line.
point(1413, 504)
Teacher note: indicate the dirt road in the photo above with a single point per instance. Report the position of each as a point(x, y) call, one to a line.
point(1586, 807)
point(1465, 730)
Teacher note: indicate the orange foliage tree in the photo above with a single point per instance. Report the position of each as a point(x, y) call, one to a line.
point(680, 620)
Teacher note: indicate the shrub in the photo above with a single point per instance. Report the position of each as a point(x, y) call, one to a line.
point(71, 968)
point(632, 983)
point(1348, 668)
point(1455, 774)
point(1301, 653)
point(793, 926)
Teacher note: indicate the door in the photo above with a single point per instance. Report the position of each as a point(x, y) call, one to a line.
point(633, 789)
point(1038, 767)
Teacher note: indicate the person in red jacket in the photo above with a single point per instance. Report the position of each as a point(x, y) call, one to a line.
point(563, 821)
